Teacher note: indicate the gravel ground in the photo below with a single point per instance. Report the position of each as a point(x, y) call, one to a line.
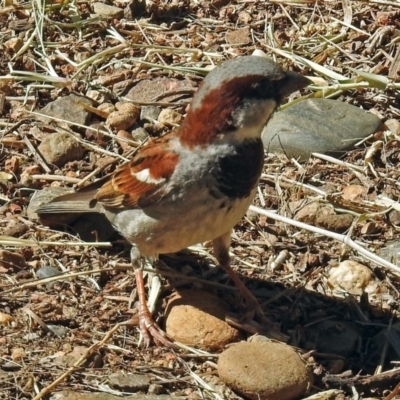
point(140, 50)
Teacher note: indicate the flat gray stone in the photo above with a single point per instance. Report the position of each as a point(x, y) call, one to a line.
point(129, 382)
point(67, 108)
point(318, 126)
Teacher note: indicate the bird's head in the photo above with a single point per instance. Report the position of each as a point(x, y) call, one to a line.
point(236, 100)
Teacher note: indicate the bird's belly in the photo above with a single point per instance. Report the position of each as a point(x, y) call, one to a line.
point(179, 230)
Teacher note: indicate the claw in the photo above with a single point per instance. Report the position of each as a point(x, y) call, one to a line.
point(150, 330)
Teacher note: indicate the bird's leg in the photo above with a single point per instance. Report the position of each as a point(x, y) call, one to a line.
point(221, 251)
point(148, 326)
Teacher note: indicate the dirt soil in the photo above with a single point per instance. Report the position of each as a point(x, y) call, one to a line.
point(40, 320)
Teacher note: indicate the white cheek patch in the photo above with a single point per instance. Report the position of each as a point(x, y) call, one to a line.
point(251, 120)
point(144, 176)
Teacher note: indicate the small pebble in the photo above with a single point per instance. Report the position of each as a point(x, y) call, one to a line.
point(352, 277)
point(125, 116)
point(140, 134)
point(59, 148)
point(170, 117)
point(150, 113)
point(393, 125)
point(14, 44)
point(354, 192)
point(47, 271)
point(5, 319)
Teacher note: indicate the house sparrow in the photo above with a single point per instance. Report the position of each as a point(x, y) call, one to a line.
point(195, 183)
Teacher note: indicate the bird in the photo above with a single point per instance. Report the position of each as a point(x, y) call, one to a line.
point(195, 183)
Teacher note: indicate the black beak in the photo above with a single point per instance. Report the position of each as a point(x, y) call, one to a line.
point(291, 83)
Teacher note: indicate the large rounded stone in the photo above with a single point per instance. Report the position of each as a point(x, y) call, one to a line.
point(264, 371)
point(320, 126)
point(197, 318)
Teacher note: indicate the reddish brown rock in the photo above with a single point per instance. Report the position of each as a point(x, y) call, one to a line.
point(264, 371)
point(197, 318)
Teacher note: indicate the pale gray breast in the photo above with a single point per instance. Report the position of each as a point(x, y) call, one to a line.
point(197, 221)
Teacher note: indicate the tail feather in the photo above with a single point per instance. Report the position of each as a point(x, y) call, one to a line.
point(80, 202)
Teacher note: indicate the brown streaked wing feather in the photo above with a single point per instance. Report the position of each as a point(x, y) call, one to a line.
point(125, 190)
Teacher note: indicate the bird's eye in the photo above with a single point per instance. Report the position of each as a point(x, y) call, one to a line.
point(255, 86)
point(260, 89)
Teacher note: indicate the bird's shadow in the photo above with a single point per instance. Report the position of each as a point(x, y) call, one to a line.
point(332, 327)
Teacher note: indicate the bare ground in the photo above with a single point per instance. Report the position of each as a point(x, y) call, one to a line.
point(338, 35)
